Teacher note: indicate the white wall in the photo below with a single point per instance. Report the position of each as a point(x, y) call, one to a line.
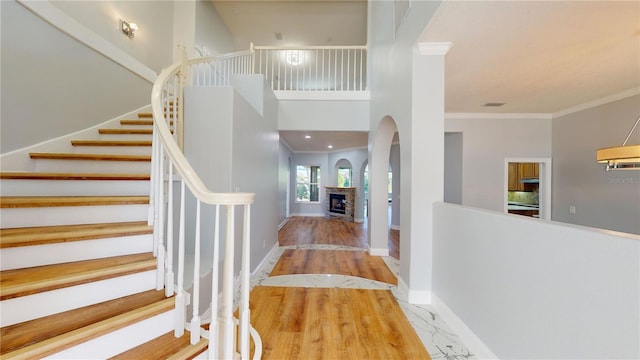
point(285, 189)
point(52, 85)
point(330, 115)
point(453, 164)
point(211, 34)
point(486, 143)
point(534, 289)
point(154, 20)
point(608, 200)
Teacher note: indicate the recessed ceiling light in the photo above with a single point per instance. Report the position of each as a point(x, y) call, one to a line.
point(494, 104)
point(307, 136)
point(330, 146)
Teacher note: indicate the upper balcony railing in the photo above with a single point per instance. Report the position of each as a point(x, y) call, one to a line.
point(313, 68)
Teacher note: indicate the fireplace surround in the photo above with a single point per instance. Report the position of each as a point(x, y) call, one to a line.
point(340, 202)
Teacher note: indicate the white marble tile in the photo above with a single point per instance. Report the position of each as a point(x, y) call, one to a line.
point(439, 340)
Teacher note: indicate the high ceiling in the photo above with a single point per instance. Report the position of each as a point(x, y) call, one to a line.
point(534, 56)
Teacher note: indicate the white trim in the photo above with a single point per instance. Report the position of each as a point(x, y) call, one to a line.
point(266, 258)
point(394, 227)
point(363, 95)
point(478, 348)
point(499, 116)
point(378, 252)
point(414, 296)
point(286, 144)
point(358, 220)
point(68, 25)
point(434, 48)
point(283, 223)
point(598, 102)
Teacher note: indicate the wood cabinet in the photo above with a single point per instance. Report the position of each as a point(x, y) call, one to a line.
point(519, 171)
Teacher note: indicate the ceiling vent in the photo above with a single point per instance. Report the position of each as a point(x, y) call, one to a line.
point(494, 104)
point(278, 36)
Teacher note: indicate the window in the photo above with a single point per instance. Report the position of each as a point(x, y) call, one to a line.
point(344, 177)
point(307, 183)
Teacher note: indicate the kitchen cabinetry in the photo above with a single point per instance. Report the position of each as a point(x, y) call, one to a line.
point(519, 171)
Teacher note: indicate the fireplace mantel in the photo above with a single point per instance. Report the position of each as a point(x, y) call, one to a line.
point(347, 206)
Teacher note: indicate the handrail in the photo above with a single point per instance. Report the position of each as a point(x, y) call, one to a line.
point(167, 96)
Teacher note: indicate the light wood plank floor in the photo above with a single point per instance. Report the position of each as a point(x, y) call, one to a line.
point(331, 323)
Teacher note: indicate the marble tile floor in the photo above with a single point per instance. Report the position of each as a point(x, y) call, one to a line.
point(439, 340)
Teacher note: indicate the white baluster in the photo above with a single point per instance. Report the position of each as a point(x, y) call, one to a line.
point(228, 326)
point(195, 320)
point(214, 341)
point(245, 286)
point(180, 297)
point(170, 277)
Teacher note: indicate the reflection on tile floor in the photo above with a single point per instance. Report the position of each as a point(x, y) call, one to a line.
point(436, 336)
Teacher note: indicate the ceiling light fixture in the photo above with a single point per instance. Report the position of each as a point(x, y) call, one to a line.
point(292, 57)
point(128, 28)
point(330, 146)
point(625, 157)
point(307, 136)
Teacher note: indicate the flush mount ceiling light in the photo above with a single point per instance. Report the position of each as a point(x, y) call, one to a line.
point(128, 28)
point(292, 57)
point(625, 157)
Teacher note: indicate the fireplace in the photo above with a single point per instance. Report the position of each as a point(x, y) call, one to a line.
point(337, 203)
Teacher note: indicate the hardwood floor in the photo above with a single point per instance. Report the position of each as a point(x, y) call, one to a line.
point(331, 323)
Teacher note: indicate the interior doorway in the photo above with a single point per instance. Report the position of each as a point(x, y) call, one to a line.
point(527, 187)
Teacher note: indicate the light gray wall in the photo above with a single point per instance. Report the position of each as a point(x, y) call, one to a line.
point(535, 289)
point(154, 20)
point(487, 142)
point(211, 34)
point(312, 159)
point(53, 85)
point(608, 200)
point(394, 162)
point(331, 115)
point(453, 163)
point(285, 189)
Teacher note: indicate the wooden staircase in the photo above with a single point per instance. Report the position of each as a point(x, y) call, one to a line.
point(77, 270)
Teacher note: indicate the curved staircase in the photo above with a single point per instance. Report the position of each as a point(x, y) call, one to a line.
point(77, 271)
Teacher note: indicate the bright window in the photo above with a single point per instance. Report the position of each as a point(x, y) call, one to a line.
point(344, 177)
point(307, 183)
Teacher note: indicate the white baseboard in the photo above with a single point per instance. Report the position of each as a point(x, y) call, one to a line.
point(283, 223)
point(358, 220)
point(473, 342)
point(378, 252)
point(414, 296)
point(266, 258)
point(394, 227)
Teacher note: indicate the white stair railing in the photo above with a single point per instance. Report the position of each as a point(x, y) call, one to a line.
point(168, 164)
point(313, 68)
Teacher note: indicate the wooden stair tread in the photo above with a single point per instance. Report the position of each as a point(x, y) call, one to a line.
point(27, 175)
point(139, 122)
point(23, 334)
point(125, 131)
point(28, 236)
point(98, 157)
point(52, 345)
point(111, 142)
point(22, 282)
point(167, 347)
point(148, 115)
point(50, 201)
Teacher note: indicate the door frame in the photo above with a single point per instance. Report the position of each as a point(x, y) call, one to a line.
point(544, 190)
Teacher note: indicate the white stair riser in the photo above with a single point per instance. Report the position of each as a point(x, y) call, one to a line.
point(122, 137)
point(14, 187)
point(34, 306)
point(71, 215)
point(114, 343)
point(91, 166)
point(38, 255)
point(119, 150)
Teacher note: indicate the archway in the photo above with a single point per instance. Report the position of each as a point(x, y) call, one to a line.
point(378, 226)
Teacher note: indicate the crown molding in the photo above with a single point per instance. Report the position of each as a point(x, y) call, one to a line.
point(499, 116)
point(605, 100)
point(434, 48)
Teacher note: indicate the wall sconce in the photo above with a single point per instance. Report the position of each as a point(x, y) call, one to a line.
point(625, 157)
point(128, 28)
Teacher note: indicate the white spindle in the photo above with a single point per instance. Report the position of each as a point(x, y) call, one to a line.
point(361, 66)
point(228, 325)
point(213, 327)
point(244, 295)
point(170, 277)
point(180, 296)
point(195, 320)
